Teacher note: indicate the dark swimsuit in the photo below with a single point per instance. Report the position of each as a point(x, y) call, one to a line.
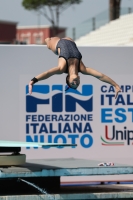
point(68, 49)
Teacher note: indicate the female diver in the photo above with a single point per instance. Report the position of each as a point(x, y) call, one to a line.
point(70, 62)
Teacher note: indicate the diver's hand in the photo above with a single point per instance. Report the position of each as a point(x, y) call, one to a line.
point(30, 87)
point(117, 90)
point(33, 81)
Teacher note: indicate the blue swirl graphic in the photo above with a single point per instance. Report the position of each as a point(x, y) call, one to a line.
point(87, 90)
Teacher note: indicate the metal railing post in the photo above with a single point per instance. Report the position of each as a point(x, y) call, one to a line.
point(93, 23)
point(129, 10)
point(74, 33)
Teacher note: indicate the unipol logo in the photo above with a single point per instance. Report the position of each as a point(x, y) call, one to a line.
point(58, 100)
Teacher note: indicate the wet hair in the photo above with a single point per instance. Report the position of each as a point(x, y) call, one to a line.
point(68, 85)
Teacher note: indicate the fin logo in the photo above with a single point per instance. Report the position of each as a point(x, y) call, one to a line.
point(56, 97)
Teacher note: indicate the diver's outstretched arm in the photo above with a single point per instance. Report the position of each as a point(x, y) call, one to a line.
point(89, 71)
point(45, 75)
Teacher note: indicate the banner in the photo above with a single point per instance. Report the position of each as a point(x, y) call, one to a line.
point(90, 116)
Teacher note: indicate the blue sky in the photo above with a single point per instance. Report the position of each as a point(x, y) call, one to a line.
point(14, 11)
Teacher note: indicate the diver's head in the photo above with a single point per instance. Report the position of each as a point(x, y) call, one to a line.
point(73, 81)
